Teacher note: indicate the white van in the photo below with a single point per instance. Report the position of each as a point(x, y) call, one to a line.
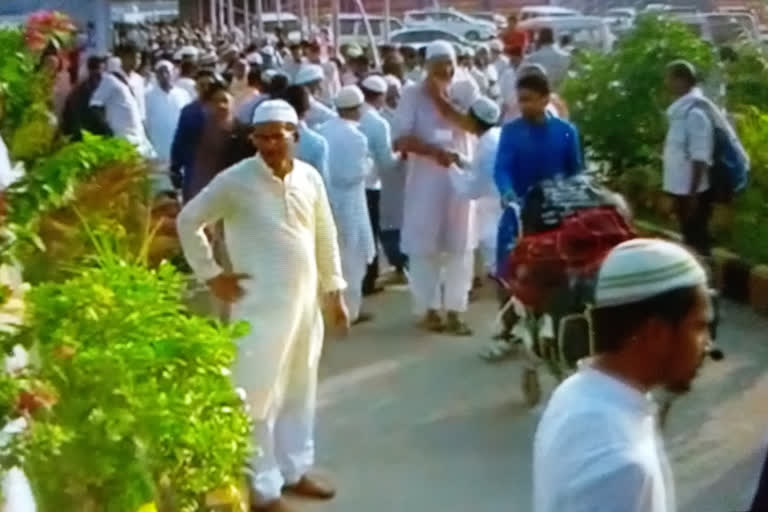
point(721, 28)
point(588, 32)
point(353, 30)
point(545, 11)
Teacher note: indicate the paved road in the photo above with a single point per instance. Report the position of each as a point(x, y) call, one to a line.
point(416, 422)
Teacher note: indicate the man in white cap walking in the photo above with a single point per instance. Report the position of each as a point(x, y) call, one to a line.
point(348, 169)
point(311, 77)
point(378, 132)
point(597, 446)
point(273, 285)
point(437, 223)
point(164, 103)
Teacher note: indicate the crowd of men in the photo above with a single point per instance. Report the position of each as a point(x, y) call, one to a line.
point(294, 166)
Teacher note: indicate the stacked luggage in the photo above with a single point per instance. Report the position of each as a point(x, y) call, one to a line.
point(568, 226)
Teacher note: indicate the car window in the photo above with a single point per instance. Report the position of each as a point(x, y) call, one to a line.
point(347, 27)
point(394, 25)
point(376, 26)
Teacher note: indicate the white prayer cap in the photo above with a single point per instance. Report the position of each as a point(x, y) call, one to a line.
point(467, 52)
point(308, 73)
point(441, 49)
point(643, 268)
point(254, 58)
point(354, 51)
point(375, 83)
point(208, 59)
point(486, 110)
point(114, 64)
point(188, 51)
point(164, 64)
point(350, 96)
point(496, 46)
point(275, 111)
point(393, 81)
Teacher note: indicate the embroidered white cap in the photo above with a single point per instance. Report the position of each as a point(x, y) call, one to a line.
point(350, 96)
point(486, 110)
point(275, 111)
point(642, 268)
point(375, 83)
point(308, 73)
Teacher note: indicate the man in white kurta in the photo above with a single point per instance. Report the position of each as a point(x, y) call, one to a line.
point(349, 165)
point(164, 103)
point(311, 77)
point(281, 242)
point(437, 223)
point(598, 447)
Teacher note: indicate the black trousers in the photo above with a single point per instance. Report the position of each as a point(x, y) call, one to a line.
point(694, 226)
point(373, 197)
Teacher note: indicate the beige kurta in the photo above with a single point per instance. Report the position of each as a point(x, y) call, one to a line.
point(282, 234)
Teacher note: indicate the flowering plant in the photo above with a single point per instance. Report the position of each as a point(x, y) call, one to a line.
point(48, 27)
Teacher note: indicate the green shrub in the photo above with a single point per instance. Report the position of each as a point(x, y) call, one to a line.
point(618, 100)
point(746, 79)
point(144, 404)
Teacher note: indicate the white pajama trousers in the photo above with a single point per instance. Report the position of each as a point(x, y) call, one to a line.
point(440, 281)
point(284, 441)
point(353, 267)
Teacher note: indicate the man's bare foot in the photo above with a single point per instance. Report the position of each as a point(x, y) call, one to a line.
point(310, 487)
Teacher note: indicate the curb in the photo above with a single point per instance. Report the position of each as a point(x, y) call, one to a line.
point(733, 276)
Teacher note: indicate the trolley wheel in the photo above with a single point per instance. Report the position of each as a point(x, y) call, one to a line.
point(531, 387)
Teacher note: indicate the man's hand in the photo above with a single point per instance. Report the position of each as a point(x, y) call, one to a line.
point(226, 287)
point(337, 312)
point(446, 158)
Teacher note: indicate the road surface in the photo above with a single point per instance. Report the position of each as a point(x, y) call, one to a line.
point(410, 421)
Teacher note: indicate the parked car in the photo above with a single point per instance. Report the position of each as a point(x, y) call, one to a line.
point(721, 28)
point(621, 18)
point(289, 23)
point(670, 9)
point(588, 32)
point(452, 21)
point(546, 11)
point(494, 17)
point(417, 37)
point(353, 28)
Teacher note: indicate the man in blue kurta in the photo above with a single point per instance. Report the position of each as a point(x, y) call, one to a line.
point(187, 137)
point(532, 148)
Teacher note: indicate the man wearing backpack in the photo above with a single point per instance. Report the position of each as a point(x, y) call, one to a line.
point(704, 161)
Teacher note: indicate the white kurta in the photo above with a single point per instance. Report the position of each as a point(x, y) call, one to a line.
point(598, 449)
point(282, 234)
point(477, 183)
point(436, 219)
point(349, 165)
point(163, 111)
point(318, 113)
